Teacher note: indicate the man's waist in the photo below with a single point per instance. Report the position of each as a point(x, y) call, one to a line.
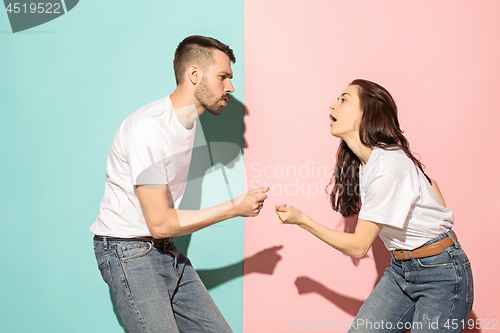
point(147, 239)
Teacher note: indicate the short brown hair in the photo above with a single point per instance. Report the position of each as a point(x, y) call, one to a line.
point(198, 49)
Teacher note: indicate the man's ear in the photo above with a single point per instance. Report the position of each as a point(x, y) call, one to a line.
point(194, 74)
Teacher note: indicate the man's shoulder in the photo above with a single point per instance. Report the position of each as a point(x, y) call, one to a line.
point(148, 117)
point(152, 111)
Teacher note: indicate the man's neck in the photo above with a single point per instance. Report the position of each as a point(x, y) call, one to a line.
point(186, 107)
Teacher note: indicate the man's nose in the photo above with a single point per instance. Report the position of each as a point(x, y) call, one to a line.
point(229, 87)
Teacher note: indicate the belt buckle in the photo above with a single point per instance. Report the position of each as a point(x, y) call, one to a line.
point(166, 240)
point(166, 243)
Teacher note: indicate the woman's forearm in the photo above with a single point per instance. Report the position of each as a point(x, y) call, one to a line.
point(346, 243)
point(355, 244)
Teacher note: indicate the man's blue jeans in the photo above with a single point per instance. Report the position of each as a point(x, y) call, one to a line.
point(156, 289)
point(433, 294)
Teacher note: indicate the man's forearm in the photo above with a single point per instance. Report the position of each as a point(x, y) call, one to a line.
point(183, 222)
point(164, 221)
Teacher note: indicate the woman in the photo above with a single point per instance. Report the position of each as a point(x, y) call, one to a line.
point(428, 286)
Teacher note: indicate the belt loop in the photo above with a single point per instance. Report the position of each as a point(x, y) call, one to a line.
point(450, 234)
point(410, 256)
point(105, 243)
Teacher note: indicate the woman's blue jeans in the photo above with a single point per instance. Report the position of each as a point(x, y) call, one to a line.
point(156, 289)
point(432, 294)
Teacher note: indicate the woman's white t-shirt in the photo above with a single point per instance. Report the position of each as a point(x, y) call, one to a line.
point(394, 192)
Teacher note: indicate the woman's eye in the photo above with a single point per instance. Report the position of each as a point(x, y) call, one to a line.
point(343, 100)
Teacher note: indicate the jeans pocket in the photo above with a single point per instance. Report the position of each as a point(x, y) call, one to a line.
point(105, 270)
point(135, 250)
point(443, 259)
point(470, 283)
point(100, 251)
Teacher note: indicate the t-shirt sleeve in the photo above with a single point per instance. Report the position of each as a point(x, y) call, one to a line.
point(387, 201)
point(145, 156)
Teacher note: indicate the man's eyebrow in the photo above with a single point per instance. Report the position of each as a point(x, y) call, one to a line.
point(226, 74)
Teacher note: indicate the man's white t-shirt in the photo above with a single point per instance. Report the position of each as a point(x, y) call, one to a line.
point(150, 147)
point(394, 192)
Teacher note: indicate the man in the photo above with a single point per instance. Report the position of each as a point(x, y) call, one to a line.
point(154, 285)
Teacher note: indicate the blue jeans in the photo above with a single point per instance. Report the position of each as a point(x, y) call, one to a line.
point(156, 289)
point(432, 294)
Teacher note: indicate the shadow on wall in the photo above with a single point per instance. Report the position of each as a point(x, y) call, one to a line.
point(351, 305)
point(228, 127)
point(226, 133)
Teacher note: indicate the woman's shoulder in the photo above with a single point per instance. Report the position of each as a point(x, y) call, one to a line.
point(392, 154)
point(392, 161)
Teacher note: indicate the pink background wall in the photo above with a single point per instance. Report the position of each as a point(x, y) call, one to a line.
point(440, 61)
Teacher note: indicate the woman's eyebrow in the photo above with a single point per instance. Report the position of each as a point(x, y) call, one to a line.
point(343, 95)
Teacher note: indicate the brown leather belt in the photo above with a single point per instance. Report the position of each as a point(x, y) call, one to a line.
point(425, 251)
point(144, 239)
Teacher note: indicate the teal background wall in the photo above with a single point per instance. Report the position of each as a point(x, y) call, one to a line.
point(65, 87)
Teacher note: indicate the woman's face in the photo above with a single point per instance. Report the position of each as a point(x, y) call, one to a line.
point(346, 115)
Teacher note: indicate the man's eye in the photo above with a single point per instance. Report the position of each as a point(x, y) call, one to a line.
point(222, 77)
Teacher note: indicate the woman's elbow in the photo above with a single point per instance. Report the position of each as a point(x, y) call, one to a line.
point(359, 253)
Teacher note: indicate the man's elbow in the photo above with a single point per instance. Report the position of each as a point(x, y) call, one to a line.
point(162, 232)
point(159, 233)
point(161, 228)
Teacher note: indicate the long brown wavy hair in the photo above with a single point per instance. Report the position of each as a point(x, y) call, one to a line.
point(379, 127)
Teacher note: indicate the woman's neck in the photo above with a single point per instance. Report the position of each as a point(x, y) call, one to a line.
point(361, 151)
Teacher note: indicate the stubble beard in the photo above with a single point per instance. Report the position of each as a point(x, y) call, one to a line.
point(207, 99)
